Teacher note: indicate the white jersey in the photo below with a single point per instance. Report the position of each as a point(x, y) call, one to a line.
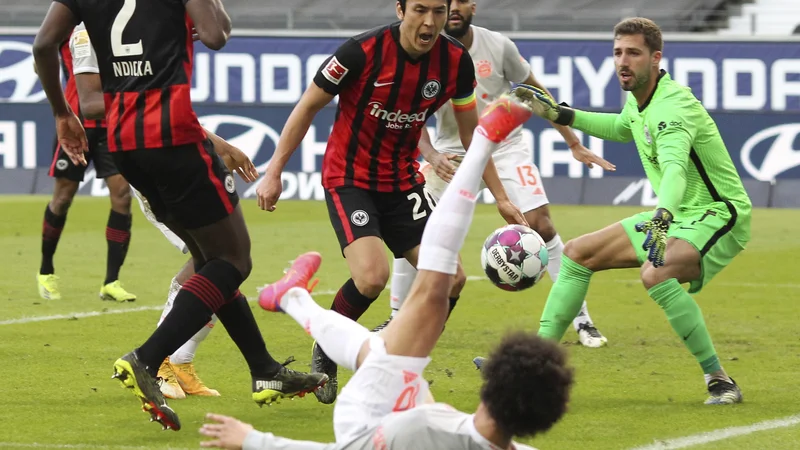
point(84, 59)
point(498, 65)
point(432, 426)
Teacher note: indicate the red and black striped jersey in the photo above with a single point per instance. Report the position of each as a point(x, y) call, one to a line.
point(144, 51)
point(71, 89)
point(385, 98)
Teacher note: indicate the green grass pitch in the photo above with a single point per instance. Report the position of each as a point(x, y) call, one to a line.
point(55, 376)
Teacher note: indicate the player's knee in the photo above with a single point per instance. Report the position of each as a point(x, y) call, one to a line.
point(120, 198)
point(459, 280)
point(371, 283)
point(652, 276)
point(60, 203)
point(245, 266)
point(539, 220)
point(575, 250)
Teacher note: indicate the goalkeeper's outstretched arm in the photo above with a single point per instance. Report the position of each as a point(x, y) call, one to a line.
point(609, 127)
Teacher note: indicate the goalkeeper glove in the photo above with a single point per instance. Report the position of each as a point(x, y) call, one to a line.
point(655, 241)
point(544, 106)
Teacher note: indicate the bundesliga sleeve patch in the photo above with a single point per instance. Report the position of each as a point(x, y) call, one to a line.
point(335, 71)
point(81, 46)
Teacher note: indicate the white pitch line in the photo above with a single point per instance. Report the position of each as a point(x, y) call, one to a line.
point(81, 315)
point(722, 434)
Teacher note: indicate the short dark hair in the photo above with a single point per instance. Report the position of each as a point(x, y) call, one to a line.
point(646, 27)
point(403, 5)
point(526, 384)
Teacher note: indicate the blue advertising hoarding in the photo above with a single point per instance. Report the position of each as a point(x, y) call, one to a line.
point(246, 91)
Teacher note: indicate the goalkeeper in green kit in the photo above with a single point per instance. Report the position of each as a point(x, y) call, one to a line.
point(702, 220)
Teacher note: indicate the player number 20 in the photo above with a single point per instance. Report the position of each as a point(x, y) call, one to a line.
point(120, 22)
point(419, 213)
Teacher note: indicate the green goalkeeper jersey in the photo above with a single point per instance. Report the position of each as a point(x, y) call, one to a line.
point(681, 149)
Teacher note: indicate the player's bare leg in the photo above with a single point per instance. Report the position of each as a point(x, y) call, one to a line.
point(663, 284)
point(369, 272)
point(540, 221)
point(55, 217)
point(118, 236)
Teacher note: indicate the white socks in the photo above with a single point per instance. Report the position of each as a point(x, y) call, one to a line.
point(340, 338)
point(555, 248)
point(449, 223)
point(185, 354)
point(403, 276)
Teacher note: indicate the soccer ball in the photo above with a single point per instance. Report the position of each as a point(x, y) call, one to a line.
point(514, 257)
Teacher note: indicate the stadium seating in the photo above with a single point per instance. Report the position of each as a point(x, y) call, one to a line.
point(502, 15)
point(766, 18)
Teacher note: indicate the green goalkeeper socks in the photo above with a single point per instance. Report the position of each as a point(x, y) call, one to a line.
point(687, 320)
point(565, 299)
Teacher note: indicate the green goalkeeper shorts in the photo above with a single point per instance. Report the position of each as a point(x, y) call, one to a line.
point(715, 233)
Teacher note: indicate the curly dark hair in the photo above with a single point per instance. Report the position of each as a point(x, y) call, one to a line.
point(526, 384)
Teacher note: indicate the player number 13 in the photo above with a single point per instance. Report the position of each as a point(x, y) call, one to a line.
point(120, 22)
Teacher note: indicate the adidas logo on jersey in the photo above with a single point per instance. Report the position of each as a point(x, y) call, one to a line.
point(271, 385)
point(398, 119)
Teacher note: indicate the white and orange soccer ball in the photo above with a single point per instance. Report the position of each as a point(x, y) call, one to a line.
point(514, 257)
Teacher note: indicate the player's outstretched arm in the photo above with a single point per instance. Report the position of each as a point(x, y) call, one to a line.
point(579, 151)
point(59, 22)
point(211, 22)
point(231, 434)
point(297, 125)
point(609, 127)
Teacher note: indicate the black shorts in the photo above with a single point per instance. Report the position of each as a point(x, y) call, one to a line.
point(188, 184)
point(398, 218)
point(104, 167)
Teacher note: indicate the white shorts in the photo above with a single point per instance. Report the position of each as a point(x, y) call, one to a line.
point(520, 178)
point(171, 237)
point(383, 384)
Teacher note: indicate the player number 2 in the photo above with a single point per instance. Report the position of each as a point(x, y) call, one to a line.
point(526, 175)
point(120, 22)
point(420, 213)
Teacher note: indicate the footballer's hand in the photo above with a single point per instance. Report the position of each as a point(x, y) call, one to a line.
point(236, 161)
point(443, 165)
point(227, 432)
point(510, 213)
point(269, 190)
point(72, 138)
point(655, 241)
point(540, 103)
point(586, 156)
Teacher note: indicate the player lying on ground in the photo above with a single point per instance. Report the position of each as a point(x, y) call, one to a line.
point(85, 96)
point(498, 65)
point(174, 166)
point(389, 81)
point(702, 220)
point(177, 374)
point(381, 407)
